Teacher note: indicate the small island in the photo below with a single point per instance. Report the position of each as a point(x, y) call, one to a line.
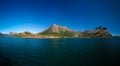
point(56, 31)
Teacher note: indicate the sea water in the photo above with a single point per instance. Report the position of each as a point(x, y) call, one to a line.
point(59, 52)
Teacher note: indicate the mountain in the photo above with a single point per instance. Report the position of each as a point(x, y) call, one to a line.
point(56, 30)
point(99, 32)
point(1, 34)
point(102, 32)
point(116, 36)
point(22, 34)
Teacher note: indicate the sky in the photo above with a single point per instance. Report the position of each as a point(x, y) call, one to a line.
point(79, 15)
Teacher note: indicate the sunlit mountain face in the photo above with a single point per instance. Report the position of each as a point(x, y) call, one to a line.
point(79, 15)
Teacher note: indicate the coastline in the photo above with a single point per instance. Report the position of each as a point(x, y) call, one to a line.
point(64, 37)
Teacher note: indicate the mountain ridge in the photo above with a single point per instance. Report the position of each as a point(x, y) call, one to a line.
point(56, 31)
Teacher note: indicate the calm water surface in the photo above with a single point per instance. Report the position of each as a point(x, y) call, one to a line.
point(59, 52)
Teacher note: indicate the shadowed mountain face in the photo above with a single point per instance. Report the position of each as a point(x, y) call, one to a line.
point(100, 32)
point(1, 34)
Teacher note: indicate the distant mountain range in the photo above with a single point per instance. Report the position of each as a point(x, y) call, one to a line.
point(1, 34)
point(56, 31)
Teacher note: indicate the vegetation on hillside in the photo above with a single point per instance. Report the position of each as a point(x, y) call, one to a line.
point(63, 32)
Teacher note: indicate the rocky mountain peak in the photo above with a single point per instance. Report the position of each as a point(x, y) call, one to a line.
point(54, 28)
point(54, 25)
point(101, 28)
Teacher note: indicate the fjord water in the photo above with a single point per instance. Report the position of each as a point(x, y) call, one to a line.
point(59, 52)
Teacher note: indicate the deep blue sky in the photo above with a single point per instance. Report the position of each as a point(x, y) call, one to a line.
point(79, 15)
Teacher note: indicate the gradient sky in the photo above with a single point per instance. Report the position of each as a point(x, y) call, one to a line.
point(78, 15)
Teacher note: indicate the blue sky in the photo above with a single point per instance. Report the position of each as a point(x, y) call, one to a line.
point(78, 15)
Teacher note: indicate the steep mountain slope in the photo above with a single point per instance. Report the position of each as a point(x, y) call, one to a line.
point(56, 30)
